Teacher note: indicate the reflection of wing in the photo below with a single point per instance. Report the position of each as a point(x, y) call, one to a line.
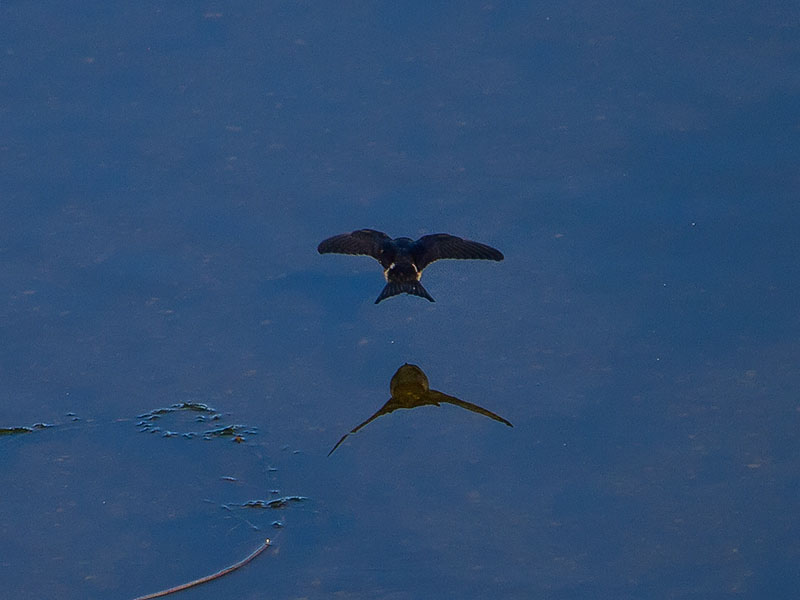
point(440, 397)
point(384, 410)
point(422, 398)
point(441, 245)
point(363, 241)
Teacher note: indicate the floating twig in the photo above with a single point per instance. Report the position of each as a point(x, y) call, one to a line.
point(207, 578)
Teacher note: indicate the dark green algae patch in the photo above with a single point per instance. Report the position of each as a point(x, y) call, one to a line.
point(20, 430)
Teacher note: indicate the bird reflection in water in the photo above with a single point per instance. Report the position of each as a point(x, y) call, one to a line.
point(410, 389)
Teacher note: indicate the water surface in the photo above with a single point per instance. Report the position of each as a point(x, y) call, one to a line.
point(167, 173)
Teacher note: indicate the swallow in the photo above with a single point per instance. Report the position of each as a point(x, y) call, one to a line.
point(409, 389)
point(403, 259)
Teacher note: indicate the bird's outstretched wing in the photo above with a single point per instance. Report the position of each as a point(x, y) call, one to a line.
point(363, 241)
point(441, 245)
point(385, 409)
point(431, 397)
point(439, 397)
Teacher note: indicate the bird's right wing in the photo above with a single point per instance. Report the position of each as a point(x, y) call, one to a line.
point(363, 241)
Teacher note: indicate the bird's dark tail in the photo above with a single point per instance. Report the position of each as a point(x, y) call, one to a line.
point(405, 287)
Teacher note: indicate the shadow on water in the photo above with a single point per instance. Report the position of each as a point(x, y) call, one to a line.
point(410, 389)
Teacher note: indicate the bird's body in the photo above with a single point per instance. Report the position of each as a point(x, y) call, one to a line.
point(403, 259)
point(410, 389)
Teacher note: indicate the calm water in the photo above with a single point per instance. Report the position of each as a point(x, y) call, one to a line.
point(166, 175)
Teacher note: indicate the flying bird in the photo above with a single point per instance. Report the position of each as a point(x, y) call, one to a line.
point(403, 259)
point(409, 388)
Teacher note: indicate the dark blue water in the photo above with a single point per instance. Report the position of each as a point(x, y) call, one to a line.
point(166, 173)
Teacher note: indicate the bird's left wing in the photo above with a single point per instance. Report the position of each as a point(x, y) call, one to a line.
point(444, 398)
point(441, 245)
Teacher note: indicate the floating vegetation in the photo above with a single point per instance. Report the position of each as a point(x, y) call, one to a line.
point(190, 406)
point(281, 502)
point(229, 431)
point(199, 413)
point(19, 430)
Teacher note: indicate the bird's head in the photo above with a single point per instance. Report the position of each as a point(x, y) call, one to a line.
point(409, 379)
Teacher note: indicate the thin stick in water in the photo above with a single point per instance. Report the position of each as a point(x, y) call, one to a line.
point(207, 578)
